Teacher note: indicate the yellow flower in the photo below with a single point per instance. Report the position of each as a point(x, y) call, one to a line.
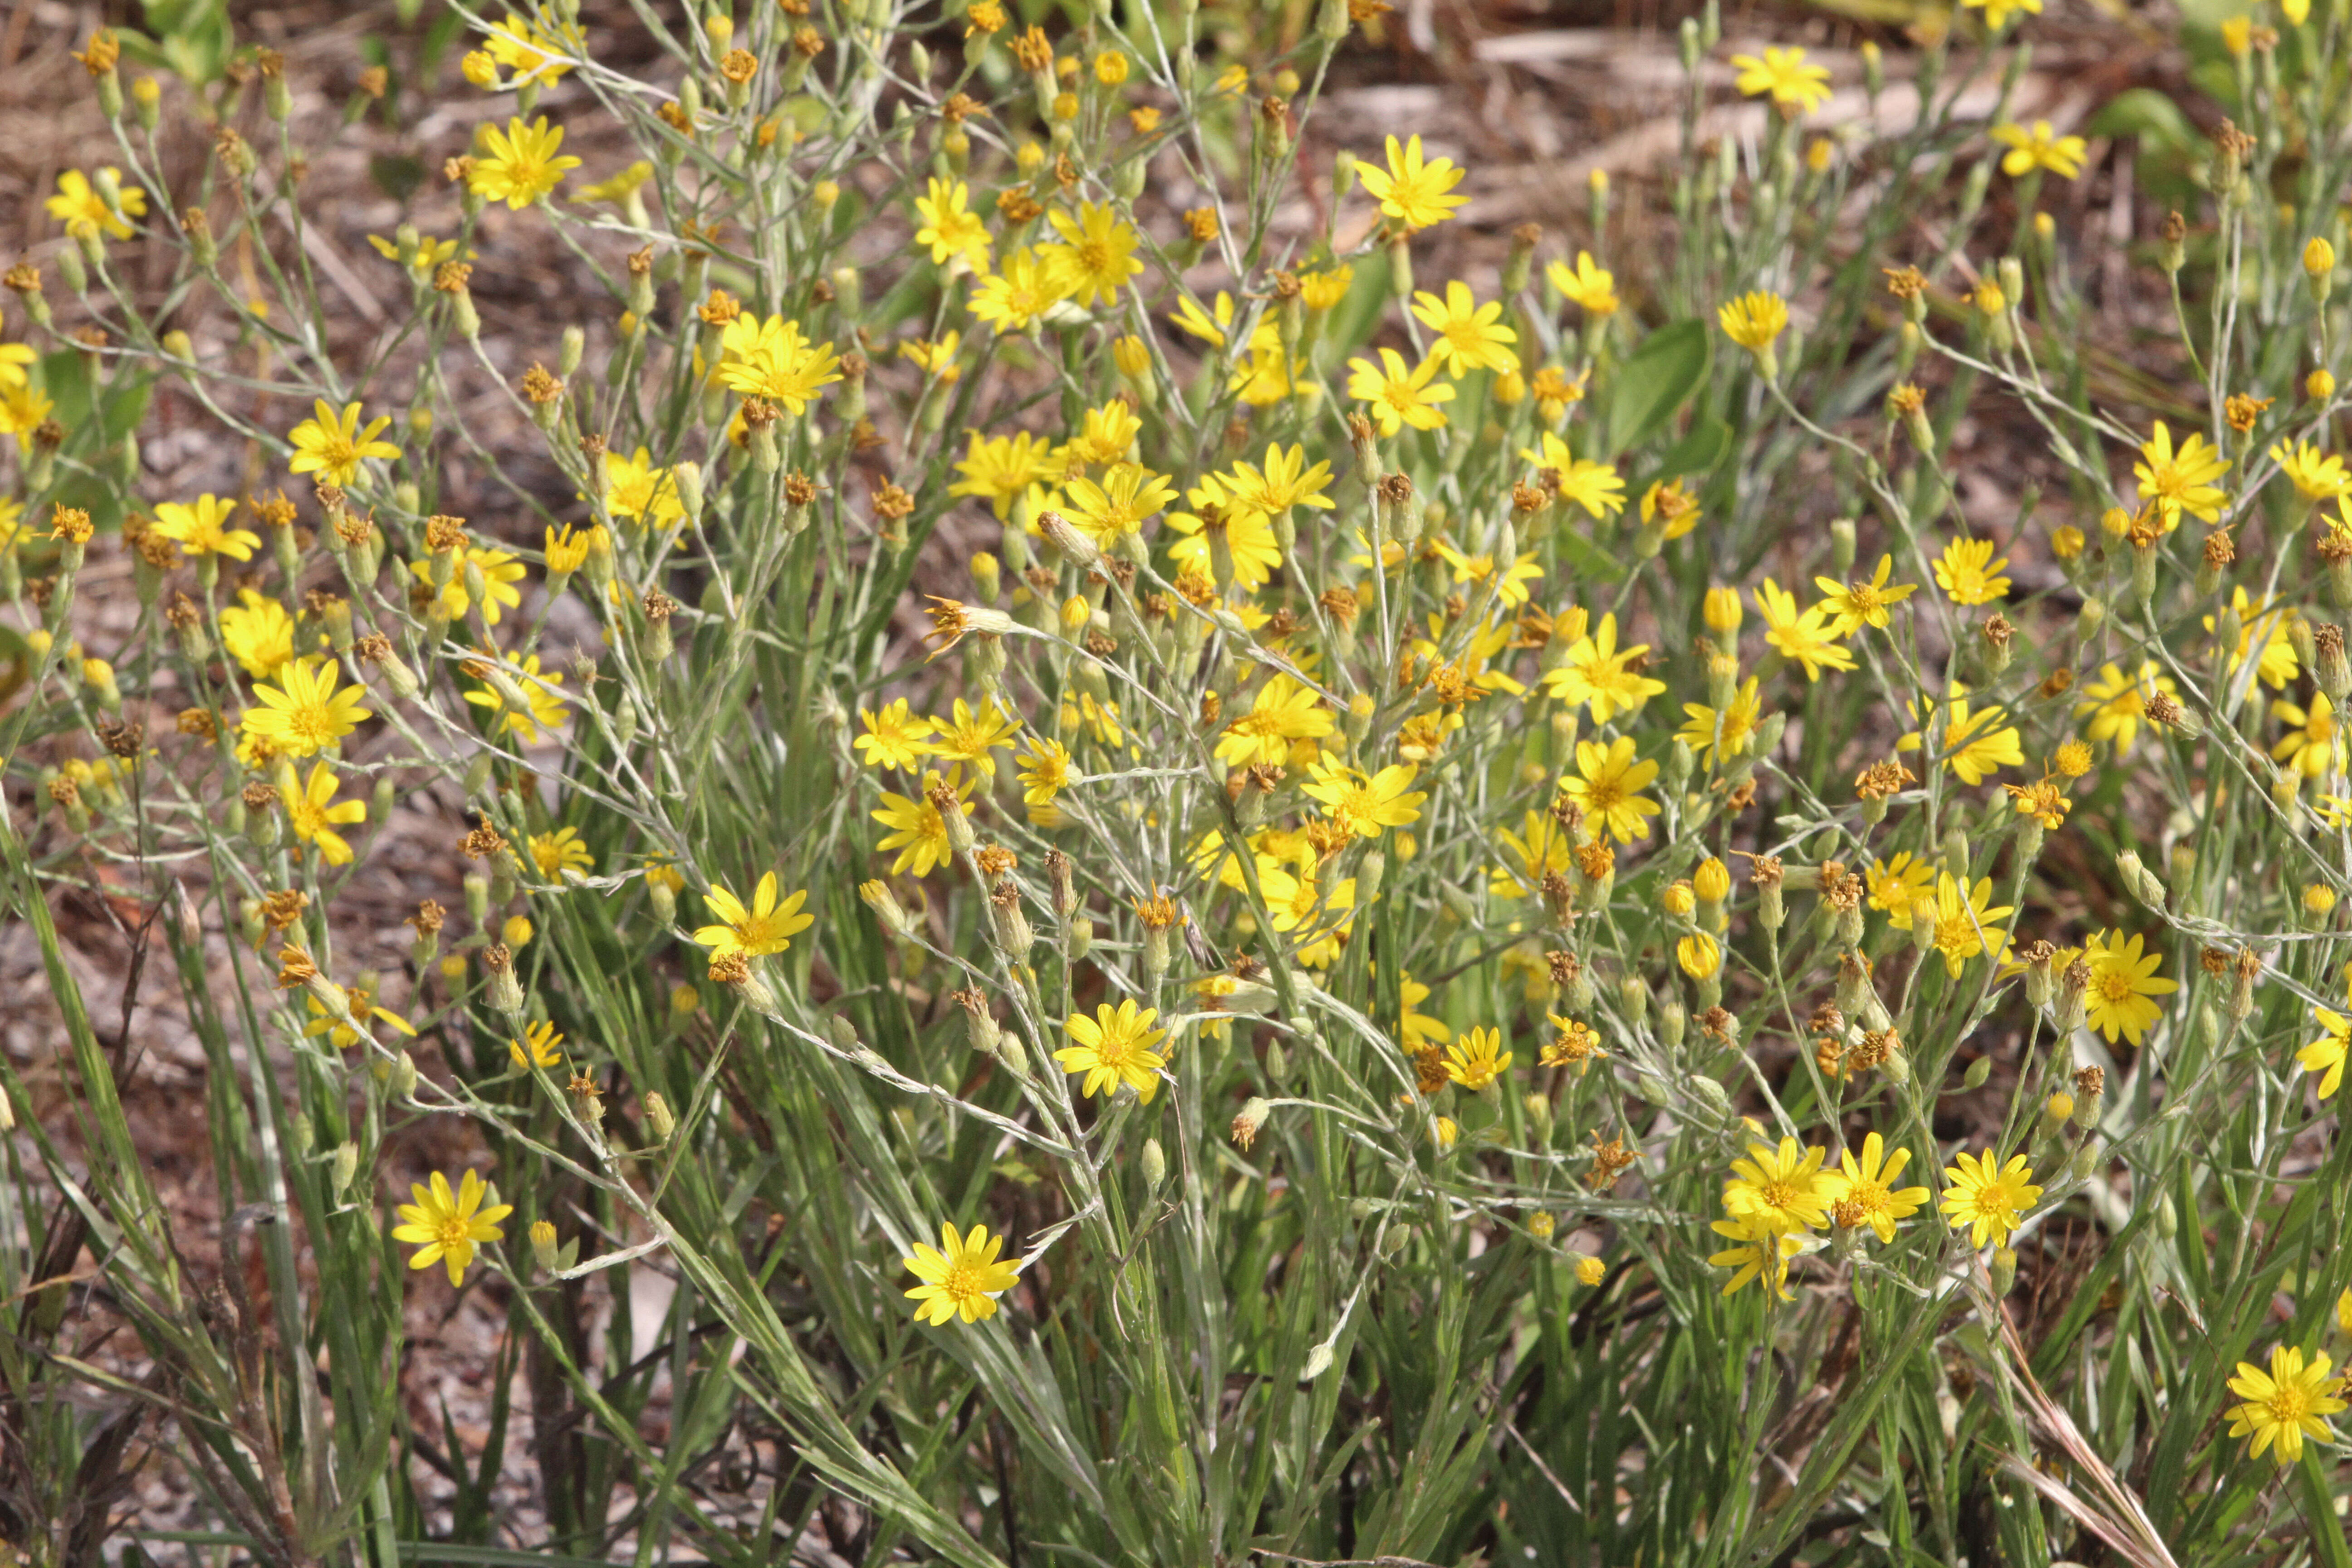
point(1470, 336)
point(537, 1049)
point(499, 573)
point(918, 833)
point(1805, 637)
point(546, 706)
point(1784, 1188)
point(953, 231)
point(520, 165)
point(428, 256)
point(1366, 803)
point(2040, 148)
point(1399, 397)
point(635, 488)
point(1967, 574)
point(2175, 482)
point(257, 633)
point(449, 1226)
point(2117, 704)
point(1854, 606)
point(1785, 78)
point(2314, 745)
point(2269, 625)
point(1976, 742)
point(1283, 711)
point(1044, 772)
point(1598, 488)
point(1324, 289)
point(894, 739)
point(1472, 1060)
point(314, 820)
point(195, 527)
point(2316, 475)
point(531, 54)
point(363, 1010)
point(1017, 296)
point(1864, 1192)
point(1114, 1048)
point(84, 212)
point(1587, 286)
point(1285, 481)
point(1898, 886)
point(1412, 191)
point(2326, 1057)
point(554, 853)
point(972, 736)
point(1998, 13)
point(1607, 789)
point(333, 444)
point(1003, 467)
point(1596, 674)
point(1540, 847)
point(1095, 258)
point(1987, 1198)
point(1754, 320)
point(1699, 955)
point(767, 926)
point(961, 1276)
point(2121, 984)
point(304, 713)
point(1964, 922)
point(1704, 729)
point(2285, 1404)
point(772, 359)
point(14, 358)
point(1128, 496)
point(1763, 1252)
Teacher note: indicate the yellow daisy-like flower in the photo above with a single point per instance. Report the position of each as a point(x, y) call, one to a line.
point(1046, 772)
point(1128, 496)
point(2324, 1056)
point(1607, 788)
point(918, 833)
point(961, 1278)
point(1976, 741)
point(257, 633)
point(2317, 476)
point(1598, 675)
point(1762, 1252)
point(2285, 1404)
point(499, 571)
point(1967, 574)
point(1964, 922)
point(1806, 635)
point(768, 926)
point(1783, 76)
point(1999, 12)
point(1114, 1048)
point(773, 358)
point(2175, 482)
point(521, 164)
point(84, 212)
point(546, 706)
point(2265, 628)
point(1095, 258)
point(1470, 336)
point(554, 853)
point(2117, 704)
point(634, 487)
point(1706, 729)
point(1754, 320)
point(1001, 468)
point(537, 1049)
point(450, 1225)
point(1282, 713)
point(1400, 396)
point(2040, 147)
point(1783, 1187)
point(973, 735)
point(304, 713)
point(953, 230)
point(1018, 294)
point(2314, 744)
point(332, 446)
point(1854, 606)
point(2122, 982)
point(1864, 1192)
point(896, 738)
point(197, 528)
point(1598, 488)
point(1282, 480)
point(1588, 285)
point(314, 819)
point(1898, 885)
point(1986, 1198)
point(1409, 190)
point(1366, 803)
point(1476, 1058)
